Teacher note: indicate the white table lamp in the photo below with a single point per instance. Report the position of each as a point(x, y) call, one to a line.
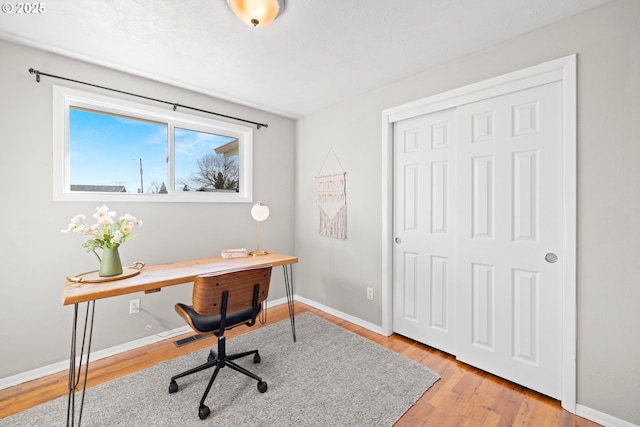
point(259, 212)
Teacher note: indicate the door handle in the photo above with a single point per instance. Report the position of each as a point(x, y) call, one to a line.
point(551, 257)
point(398, 240)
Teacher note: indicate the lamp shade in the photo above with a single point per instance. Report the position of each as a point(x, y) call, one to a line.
point(260, 212)
point(257, 13)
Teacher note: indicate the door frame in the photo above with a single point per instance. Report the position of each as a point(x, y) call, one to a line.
point(563, 70)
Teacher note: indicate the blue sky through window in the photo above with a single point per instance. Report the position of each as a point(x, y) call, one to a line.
point(106, 150)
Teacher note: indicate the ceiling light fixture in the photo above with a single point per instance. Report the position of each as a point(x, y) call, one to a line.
point(257, 13)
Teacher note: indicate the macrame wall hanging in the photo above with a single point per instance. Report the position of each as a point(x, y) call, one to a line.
point(332, 201)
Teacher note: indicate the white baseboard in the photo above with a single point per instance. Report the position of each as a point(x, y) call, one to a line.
point(276, 302)
point(97, 355)
point(344, 316)
point(601, 418)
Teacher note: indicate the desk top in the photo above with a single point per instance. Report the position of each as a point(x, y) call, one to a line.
point(154, 277)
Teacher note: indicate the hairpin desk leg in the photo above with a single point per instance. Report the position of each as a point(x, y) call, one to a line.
point(74, 376)
point(263, 313)
point(288, 284)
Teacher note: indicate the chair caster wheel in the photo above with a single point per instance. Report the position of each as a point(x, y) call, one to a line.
point(262, 386)
point(203, 412)
point(173, 386)
point(212, 356)
point(256, 358)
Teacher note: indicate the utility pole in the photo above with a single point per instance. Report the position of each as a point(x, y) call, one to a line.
point(141, 184)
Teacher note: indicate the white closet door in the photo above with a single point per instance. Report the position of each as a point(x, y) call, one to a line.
point(424, 229)
point(509, 275)
point(478, 234)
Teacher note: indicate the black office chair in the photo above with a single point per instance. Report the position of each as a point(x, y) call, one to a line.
point(222, 301)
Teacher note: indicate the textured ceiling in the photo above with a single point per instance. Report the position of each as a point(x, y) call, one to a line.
point(315, 54)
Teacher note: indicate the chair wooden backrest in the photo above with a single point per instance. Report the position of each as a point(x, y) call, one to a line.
point(208, 289)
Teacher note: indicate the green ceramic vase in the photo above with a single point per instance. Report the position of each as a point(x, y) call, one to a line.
point(110, 264)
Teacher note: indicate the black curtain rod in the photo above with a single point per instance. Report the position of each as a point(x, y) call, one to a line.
point(174, 104)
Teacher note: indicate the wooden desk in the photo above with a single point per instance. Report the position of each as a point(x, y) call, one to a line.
point(152, 279)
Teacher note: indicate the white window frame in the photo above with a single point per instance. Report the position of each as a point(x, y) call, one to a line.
point(64, 98)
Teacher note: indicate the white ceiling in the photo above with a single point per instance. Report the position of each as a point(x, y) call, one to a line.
point(315, 54)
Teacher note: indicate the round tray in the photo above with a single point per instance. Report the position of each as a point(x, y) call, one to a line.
point(93, 277)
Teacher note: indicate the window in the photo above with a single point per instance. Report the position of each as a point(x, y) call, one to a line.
point(108, 149)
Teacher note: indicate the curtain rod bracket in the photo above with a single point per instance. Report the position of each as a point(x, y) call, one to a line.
point(36, 72)
point(175, 105)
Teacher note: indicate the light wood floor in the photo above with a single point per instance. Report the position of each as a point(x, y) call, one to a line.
point(464, 396)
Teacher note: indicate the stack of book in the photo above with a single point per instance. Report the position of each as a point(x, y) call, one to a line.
point(234, 253)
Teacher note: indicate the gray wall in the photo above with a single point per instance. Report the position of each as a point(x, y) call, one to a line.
point(607, 42)
point(35, 256)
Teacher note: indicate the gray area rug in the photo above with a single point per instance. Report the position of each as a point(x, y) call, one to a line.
point(329, 377)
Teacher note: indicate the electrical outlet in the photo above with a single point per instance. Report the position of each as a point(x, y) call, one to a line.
point(370, 294)
point(134, 306)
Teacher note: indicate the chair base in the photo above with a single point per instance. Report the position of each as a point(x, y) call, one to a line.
point(219, 361)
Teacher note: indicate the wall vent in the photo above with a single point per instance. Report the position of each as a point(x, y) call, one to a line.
point(187, 340)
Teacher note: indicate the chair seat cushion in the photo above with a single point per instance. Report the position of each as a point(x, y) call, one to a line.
point(211, 323)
